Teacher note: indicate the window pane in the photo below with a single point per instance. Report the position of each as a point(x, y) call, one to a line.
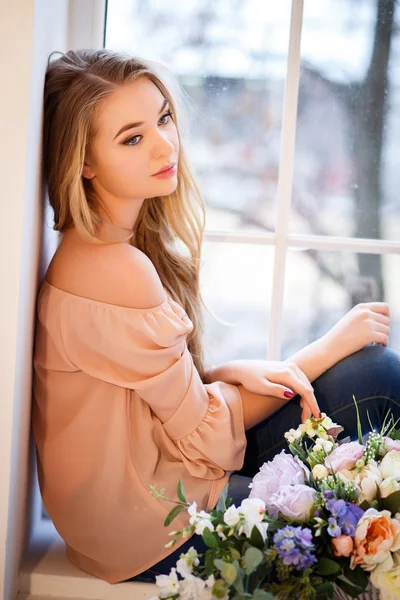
point(230, 57)
point(321, 287)
point(346, 177)
point(236, 287)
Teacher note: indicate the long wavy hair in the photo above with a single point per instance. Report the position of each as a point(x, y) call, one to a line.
point(168, 229)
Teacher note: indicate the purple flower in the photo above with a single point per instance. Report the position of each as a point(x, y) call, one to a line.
point(333, 528)
point(283, 470)
point(345, 515)
point(294, 546)
point(293, 501)
point(328, 494)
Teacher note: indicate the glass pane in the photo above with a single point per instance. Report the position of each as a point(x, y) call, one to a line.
point(230, 57)
point(236, 287)
point(321, 287)
point(346, 177)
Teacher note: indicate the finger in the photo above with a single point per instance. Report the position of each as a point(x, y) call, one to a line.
point(379, 307)
point(309, 396)
point(280, 391)
point(294, 378)
point(382, 339)
point(306, 412)
point(378, 318)
point(380, 328)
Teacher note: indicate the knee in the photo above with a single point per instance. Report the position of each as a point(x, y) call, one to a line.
point(375, 364)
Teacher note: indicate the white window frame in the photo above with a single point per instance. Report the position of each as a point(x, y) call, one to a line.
point(282, 240)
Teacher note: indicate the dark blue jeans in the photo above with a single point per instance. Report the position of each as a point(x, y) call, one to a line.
point(372, 375)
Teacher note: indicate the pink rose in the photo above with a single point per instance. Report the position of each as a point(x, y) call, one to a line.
point(293, 501)
point(284, 469)
point(342, 545)
point(344, 456)
point(391, 444)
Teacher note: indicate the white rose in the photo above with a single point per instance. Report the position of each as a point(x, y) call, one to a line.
point(390, 465)
point(390, 485)
point(320, 472)
point(367, 480)
point(232, 516)
point(253, 509)
point(387, 580)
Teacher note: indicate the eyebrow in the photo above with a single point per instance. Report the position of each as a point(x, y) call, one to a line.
point(139, 123)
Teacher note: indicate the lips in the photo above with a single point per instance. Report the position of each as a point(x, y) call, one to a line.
point(166, 168)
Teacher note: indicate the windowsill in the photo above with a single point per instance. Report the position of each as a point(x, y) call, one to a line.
point(46, 571)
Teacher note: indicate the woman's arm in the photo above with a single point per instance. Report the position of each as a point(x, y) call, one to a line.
point(266, 385)
point(362, 325)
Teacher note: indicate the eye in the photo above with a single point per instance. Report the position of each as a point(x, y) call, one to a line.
point(168, 114)
point(129, 140)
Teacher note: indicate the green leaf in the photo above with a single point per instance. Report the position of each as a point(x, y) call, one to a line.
point(352, 591)
point(357, 577)
point(365, 505)
point(210, 540)
point(252, 558)
point(324, 590)
point(209, 561)
point(235, 554)
point(172, 514)
point(392, 502)
point(181, 492)
point(229, 573)
point(222, 499)
point(219, 589)
point(219, 563)
point(359, 430)
point(256, 538)
point(326, 566)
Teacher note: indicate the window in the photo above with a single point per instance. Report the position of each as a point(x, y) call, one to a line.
point(294, 138)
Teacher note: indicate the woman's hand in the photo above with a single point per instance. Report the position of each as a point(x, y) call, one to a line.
point(364, 324)
point(281, 379)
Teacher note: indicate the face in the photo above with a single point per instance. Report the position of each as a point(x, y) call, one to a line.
point(124, 158)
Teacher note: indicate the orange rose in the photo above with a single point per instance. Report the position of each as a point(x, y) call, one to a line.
point(377, 535)
point(342, 545)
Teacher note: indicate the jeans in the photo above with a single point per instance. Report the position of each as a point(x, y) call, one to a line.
point(372, 375)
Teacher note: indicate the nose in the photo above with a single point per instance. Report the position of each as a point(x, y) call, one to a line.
point(163, 146)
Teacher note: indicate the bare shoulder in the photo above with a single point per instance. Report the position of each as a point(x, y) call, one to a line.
point(118, 274)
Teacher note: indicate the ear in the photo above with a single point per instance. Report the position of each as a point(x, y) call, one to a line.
point(87, 171)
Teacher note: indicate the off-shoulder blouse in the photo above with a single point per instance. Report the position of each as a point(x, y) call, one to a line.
point(118, 406)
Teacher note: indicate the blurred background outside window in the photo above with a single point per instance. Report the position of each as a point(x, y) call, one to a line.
point(231, 58)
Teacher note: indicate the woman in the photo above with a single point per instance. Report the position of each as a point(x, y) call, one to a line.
point(122, 400)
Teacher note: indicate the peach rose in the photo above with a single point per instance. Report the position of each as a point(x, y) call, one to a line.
point(342, 545)
point(377, 535)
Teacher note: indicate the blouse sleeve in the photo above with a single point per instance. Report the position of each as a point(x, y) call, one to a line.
point(146, 351)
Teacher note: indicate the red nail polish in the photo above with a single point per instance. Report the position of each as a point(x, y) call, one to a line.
point(319, 416)
point(288, 394)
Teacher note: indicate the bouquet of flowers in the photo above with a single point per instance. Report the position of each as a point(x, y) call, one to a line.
point(322, 521)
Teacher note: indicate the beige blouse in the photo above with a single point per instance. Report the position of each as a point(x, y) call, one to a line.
point(119, 406)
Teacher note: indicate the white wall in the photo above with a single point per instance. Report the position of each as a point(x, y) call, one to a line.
point(29, 31)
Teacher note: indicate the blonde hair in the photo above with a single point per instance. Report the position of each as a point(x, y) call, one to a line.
point(75, 83)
